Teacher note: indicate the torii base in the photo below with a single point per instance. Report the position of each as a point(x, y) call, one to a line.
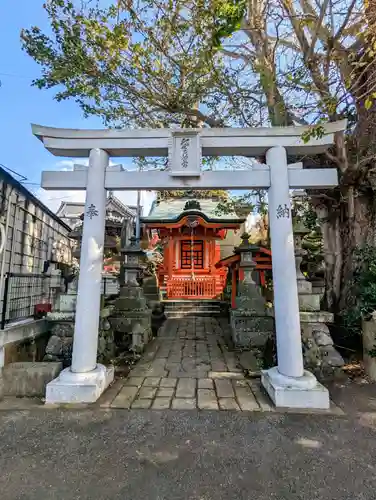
point(70, 387)
point(290, 392)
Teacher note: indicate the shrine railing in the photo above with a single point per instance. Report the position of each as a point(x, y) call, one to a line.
point(187, 287)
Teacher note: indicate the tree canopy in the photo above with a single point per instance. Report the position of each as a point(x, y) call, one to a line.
point(213, 63)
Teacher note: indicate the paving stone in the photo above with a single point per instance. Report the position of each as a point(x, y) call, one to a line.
point(156, 373)
point(134, 381)
point(224, 388)
point(142, 404)
point(262, 399)
point(168, 382)
point(152, 382)
point(161, 403)
point(125, 397)
point(206, 399)
point(184, 404)
point(165, 392)
point(186, 388)
point(228, 404)
point(110, 394)
point(147, 392)
point(205, 383)
point(246, 399)
point(240, 383)
point(173, 366)
point(189, 374)
point(230, 375)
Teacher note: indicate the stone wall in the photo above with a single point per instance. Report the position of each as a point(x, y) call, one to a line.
point(319, 353)
point(59, 347)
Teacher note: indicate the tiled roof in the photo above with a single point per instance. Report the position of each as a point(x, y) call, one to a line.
point(172, 208)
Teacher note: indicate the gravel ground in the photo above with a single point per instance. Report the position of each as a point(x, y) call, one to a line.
point(191, 455)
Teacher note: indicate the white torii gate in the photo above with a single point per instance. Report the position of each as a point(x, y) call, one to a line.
point(288, 384)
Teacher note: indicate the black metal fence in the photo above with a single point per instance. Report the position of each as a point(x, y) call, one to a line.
point(27, 295)
point(32, 295)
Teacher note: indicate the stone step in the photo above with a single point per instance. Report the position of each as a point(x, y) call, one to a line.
point(190, 307)
point(29, 379)
point(191, 303)
point(194, 313)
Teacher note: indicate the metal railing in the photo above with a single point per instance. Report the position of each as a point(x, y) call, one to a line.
point(27, 295)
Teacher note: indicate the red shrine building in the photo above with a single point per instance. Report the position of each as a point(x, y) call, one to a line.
point(194, 238)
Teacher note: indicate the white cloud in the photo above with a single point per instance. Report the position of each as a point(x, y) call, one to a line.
point(53, 199)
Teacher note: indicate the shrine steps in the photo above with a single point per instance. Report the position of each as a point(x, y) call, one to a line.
point(192, 308)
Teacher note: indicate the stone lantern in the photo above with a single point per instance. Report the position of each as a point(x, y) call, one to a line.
point(251, 321)
point(132, 317)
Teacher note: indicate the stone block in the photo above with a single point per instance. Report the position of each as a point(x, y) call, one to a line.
point(130, 304)
point(62, 328)
point(152, 381)
point(147, 392)
point(322, 338)
point(67, 302)
point(161, 403)
point(141, 404)
point(316, 317)
point(125, 397)
point(206, 399)
point(228, 404)
point(205, 383)
point(331, 357)
point(186, 388)
point(27, 379)
point(235, 375)
point(183, 404)
point(224, 388)
point(309, 302)
point(250, 330)
point(54, 346)
point(168, 382)
point(165, 392)
point(134, 381)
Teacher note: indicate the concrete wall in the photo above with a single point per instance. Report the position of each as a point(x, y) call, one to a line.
point(24, 342)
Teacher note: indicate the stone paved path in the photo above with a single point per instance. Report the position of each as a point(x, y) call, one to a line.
point(188, 367)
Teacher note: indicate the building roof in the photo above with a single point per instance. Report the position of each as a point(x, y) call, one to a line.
point(69, 209)
point(172, 210)
point(31, 197)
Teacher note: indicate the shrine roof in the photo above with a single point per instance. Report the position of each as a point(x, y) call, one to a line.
point(172, 210)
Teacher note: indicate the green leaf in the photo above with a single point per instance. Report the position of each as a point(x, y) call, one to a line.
point(368, 103)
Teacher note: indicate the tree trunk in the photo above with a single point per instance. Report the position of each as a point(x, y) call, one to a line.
point(343, 231)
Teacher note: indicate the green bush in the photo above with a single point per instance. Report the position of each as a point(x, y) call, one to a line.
point(362, 293)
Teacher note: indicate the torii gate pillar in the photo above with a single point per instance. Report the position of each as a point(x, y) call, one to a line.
point(288, 384)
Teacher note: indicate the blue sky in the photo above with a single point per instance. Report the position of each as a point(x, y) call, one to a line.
point(22, 104)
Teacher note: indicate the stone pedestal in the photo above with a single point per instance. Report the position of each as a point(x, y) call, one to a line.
point(86, 387)
point(302, 392)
